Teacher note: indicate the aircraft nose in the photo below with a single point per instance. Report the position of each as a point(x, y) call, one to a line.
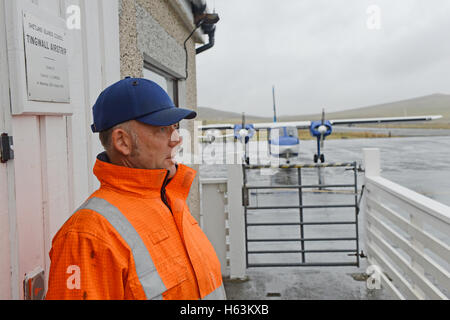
point(243, 133)
point(322, 129)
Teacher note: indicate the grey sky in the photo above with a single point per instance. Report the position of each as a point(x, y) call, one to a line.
point(321, 54)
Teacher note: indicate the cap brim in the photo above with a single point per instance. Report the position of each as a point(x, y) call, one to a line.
point(167, 116)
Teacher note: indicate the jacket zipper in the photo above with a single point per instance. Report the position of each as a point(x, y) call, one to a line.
point(164, 200)
point(163, 192)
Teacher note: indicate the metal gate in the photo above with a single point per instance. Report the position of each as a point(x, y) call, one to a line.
point(303, 219)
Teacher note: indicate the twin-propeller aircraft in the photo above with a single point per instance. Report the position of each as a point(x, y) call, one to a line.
point(283, 136)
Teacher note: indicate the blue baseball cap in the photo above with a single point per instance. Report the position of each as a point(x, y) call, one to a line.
point(136, 99)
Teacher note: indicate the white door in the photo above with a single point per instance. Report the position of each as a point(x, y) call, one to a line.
point(51, 174)
point(8, 261)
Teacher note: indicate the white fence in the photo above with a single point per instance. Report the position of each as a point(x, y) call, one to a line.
point(407, 236)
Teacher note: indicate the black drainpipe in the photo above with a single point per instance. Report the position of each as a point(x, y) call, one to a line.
point(210, 30)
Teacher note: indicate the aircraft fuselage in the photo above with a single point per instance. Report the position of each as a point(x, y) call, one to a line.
point(284, 142)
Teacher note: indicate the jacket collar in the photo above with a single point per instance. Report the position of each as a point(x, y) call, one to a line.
point(142, 182)
point(181, 181)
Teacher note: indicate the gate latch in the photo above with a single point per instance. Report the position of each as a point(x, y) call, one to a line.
point(6, 148)
point(245, 201)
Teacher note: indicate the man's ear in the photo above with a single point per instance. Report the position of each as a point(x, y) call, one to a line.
point(121, 141)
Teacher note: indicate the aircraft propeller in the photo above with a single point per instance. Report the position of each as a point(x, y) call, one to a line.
point(320, 129)
point(244, 137)
point(243, 133)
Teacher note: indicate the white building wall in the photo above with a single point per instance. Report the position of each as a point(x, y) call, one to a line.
point(55, 150)
point(51, 174)
point(7, 223)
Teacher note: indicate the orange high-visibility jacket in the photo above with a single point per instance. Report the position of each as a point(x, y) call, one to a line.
point(134, 238)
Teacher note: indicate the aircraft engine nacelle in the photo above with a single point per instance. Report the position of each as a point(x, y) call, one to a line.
point(319, 128)
point(247, 132)
point(211, 135)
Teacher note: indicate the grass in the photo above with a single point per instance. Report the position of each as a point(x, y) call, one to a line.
point(424, 125)
point(353, 135)
point(305, 135)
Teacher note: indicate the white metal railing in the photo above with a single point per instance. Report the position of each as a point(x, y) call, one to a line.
point(407, 236)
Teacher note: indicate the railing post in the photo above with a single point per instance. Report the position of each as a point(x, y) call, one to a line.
point(371, 162)
point(236, 222)
point(416, 244)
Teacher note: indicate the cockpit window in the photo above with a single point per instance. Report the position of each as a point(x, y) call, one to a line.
point(284, 132)
point(292, 132)
point(276, 132)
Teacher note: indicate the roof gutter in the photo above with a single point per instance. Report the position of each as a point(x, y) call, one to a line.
point(209, 28)
point(184, 10)
point(204, 20)
point(207, 22)
point(207, 46)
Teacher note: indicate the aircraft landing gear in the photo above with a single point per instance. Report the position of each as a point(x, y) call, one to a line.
point(316, 158)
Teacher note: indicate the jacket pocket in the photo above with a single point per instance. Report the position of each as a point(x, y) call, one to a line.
point(176, 273)
point(158, 236)
point(167, 282)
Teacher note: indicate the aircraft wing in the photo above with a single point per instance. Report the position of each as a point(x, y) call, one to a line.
point(272, 125)
point(212, 136)
point(383, 120)
point(261, 125)
point(217, 126)
point(307, 124)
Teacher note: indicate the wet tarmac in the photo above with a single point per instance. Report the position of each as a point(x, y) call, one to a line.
point(419, 163)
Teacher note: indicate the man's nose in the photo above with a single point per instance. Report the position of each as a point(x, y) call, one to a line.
point(175, 138)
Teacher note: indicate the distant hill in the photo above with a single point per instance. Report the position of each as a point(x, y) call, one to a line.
point(210, 115)
point(427, 105)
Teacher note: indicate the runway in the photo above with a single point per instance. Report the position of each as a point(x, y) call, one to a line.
point(421, 164)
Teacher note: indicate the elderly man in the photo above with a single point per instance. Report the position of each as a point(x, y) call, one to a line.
point(134, 238)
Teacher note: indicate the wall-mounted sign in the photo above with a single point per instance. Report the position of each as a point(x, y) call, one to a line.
point(46, 59)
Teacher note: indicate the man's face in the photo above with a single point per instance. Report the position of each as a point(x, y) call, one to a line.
point(155, 147)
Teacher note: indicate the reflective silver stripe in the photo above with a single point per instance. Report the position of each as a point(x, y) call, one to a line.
point(218, 294)
point(145, 268)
